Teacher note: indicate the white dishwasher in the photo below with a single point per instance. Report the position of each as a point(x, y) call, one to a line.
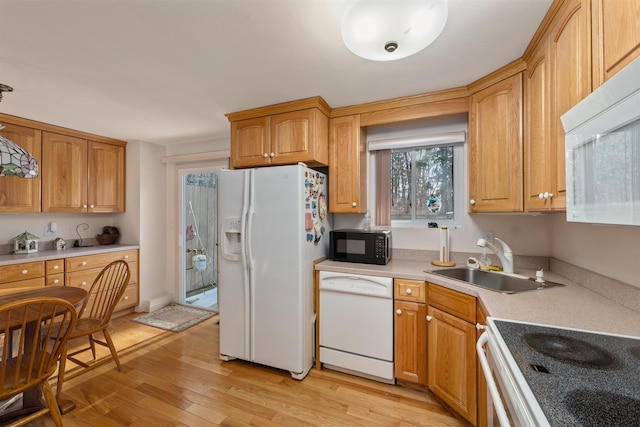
point(356, 324)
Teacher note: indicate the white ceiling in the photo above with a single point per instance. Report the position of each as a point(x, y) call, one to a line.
point(166, 71)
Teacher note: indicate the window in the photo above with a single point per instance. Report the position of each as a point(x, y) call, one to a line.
point(419, 180)
point(422, 184)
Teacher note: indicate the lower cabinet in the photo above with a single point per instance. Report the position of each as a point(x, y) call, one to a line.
point(410, 331)
point(82, 271)
point(23, 275)
point(482, 383)
point(451, 352)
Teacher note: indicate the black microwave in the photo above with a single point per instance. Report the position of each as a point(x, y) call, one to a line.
point(369, 247)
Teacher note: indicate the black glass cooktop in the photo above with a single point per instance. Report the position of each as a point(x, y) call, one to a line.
point(579, 378)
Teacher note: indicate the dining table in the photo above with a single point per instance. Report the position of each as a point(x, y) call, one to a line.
point(76, 296)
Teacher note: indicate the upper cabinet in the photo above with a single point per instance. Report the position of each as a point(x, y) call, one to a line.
point(82, 176)
point(558, 76)
point(616, 36)
point(347, 165)
point(495, 147)
point(281, 134)
point(21, 194)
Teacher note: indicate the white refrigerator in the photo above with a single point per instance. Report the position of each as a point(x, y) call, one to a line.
point(273, 224)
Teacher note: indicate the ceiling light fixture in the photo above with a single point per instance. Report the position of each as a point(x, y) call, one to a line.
point(15, 160)
point(384, 30)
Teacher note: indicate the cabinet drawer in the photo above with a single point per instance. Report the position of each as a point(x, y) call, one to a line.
point(24, 271)
point(54, 280)
point(82, 279)
point(129, 299)
point(455, 303)
point(29, 283)
point(54, 266)
point(409, 290)
point(98, 261)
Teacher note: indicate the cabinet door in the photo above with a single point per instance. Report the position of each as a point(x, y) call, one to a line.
point(410, 343)
point(538, 152)
point(106, 187)
point(294, 136)
point(64, 173)
point(482, 382)
point(251, 142)
point(22, 194)
point(616, 36)
point(347, 166)
point(452, 362)
point(570, 80)
point(495, 147)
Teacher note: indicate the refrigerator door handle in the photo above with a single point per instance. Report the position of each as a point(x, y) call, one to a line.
point(250, 264)
point(246, 275)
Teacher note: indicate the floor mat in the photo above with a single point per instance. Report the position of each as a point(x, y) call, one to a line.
point(175, 317)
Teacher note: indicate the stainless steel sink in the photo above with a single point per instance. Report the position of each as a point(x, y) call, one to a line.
point(494, 281)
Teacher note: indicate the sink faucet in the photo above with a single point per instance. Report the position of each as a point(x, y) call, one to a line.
point(505, 256)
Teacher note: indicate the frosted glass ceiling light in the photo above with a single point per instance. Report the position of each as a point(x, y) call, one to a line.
point(384, 30)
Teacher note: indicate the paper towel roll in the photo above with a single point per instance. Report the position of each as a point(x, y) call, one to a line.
point(444, 244)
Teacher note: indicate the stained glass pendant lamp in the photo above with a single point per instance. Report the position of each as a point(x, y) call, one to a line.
point(15, 160)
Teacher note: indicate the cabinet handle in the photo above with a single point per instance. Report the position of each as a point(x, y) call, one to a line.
point(273, 154)
point(91, 206)
point(472, 202)
point(55, 267)
point(480, 327)
point(545, 195)
point(126, 257)
point(83, 283)
point(429, 318)
point(265, 155)
point(398, 311)
point(56, 281)
point(84, 263)
point(126, 297)
point(354, 204)
point(24, 271)
point(84, 206)
point(408, 291)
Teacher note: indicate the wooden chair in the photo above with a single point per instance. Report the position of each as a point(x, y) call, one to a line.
point(27, 365)
point(95, 315)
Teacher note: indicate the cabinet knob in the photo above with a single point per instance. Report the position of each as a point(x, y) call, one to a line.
point(265, 155)
point(480, 327)
point(126, 257)
point(545, 195)
point(83, 284)
point(84, 206)
point(84, 262)
point(429, 318)
point(540, 196)
point(55, 267)
point(24, 271)
point(472, 202)
point(273, 154)
point(354, 204)
point(91, 206)
point(408, 291)
point(56, 281)
point(398, 311)
point(126, 297)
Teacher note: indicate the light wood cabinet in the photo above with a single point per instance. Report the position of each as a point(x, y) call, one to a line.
point(451, 352)
point(410, 331)
point(615, 36)
point(81, 272)
point(348, 160)
point(280, 139)
point(19, 195)
point(81, 175)
point(482, 383)
point(21, 275)
point(495, 147)
point(570, 81)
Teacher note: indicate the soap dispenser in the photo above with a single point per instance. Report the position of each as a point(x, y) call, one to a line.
point(484, 260)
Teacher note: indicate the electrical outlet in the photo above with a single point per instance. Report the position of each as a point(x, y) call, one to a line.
point(486, 235)
point(48, 232)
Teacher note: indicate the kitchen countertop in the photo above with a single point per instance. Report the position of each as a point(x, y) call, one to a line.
point(572, 305)
point(46, 255)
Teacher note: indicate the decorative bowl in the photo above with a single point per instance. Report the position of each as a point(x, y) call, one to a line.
point(107, 239)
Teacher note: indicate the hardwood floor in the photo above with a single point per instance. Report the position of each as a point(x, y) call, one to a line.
point(177, 379)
